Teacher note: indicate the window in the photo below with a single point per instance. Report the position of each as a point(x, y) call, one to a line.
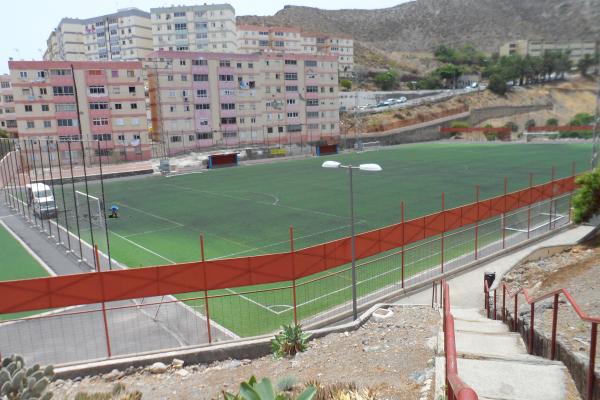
point(47, 124)
point(312, 89)
point(312, 102)
point(310, 63)
point(45, 107)
point(313, 126)
point(114, 73)
point(239, 65)
point(116, 90)
point(312, 114)
point(280, 129)
point(30, 124)
point(5, 85)
point(65, 122)
point(119, 122)
point(43, 91)
point(291, 76)
point(228, 120)
point(294, 128)
point(226, 78)
point(183, 78)
point(98, 106)
point(133, 106)
point(182, 62)
point(62, 90)
point(60, 72)
point(180, 26)
point(270, 129)
point(23, 74)
point(175, 139)
point(292, 115)
point(179, 14)
point(203, 122)
point(132, 89)
point(28, 108)
point(331, 89)
point(118, 106)
point(200, 77)
point(201, 93)
point(103, 152)
point(224, 63)
point(204, 135)
point(26, 92)
point(291, 62)
point(100, 121)
point(121, 138)
point(103, 137)
point(65, 107)
point(136, 121)
point(291, 101)
point(205, 106)
point(250, 65)
point(229, 134)
point(170, 78)
point(291, 88)
point(199, 62)
point(94, 72)
point(97, 90)
point(227, 106)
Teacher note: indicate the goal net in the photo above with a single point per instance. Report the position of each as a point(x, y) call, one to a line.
point(93, 213)
point(540, 136)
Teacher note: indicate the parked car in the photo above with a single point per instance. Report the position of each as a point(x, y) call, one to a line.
point(41, 199)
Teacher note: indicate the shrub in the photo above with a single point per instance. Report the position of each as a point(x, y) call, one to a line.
point(498, 85)
point(586, 202)
point(289, 341)
point(263, 390)
point(19, 382)
point(552, 122)
point(286, 383)
point(529, 123)
point(513, 127)
point(346, 84)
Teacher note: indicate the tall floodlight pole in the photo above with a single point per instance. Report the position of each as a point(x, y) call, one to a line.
point(596, 126)
point(362, 167)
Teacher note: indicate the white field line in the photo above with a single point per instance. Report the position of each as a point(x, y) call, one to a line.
point(176, 174)
point(304, 210)
point(152, 231)
point(122, 266)
point(252, 301)
point(144, 248)
point(150, 214)
point(28, 249)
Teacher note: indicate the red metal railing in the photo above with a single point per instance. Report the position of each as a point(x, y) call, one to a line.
point(506, 290)
point(455, 387)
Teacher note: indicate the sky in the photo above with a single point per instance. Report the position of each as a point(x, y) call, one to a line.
point(24, 34)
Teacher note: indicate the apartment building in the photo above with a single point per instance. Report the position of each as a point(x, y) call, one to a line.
point(201, 99)
point(8, 120)
point(577, 48)
point(124, 35)
point(208, 27)
point(258, 38)
point(101, 103)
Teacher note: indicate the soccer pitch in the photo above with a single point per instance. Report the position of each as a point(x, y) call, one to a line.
point(249, 209)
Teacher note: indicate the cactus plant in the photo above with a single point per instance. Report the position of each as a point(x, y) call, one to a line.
point(263, 390)
point(289, 341)
point(20, 383)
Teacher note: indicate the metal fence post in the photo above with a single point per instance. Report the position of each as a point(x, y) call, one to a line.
point(503, 303)
point(292, 252)
point(529, 206)
point(592, 363)
point(573, 168)
point(551, 200)
point(206, 307)
point(515, 316)
point(402, 219)
point(495, 313)
point(443, 230)
point(554, 320)
point(504, 214)
point(5, 156)
point(477, 221)
point(106, 334)
point(62, 190)
point(531, 330)
point(44, 180)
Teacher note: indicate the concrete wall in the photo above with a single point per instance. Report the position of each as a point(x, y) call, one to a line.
point(480, 115)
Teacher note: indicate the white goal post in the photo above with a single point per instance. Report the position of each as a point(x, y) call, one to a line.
point(96, 209)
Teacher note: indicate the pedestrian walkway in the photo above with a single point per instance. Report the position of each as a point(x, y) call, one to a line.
point(495, 363)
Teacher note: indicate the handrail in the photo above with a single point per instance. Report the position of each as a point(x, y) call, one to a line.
point(507, 290)
point(455, 387)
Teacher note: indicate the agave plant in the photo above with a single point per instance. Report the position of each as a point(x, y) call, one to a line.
point(289, 341)
point(263, 390)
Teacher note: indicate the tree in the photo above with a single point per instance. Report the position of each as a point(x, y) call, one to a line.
point(4, 134)
point(529, 123)
point(582, 119)
point(513, 127)
point(429, 83)
point(584, 64)
point(552, 122)
point(346, 84)
point(386, 80)
point(498, 84)
point(448, 73)
point(586, 202)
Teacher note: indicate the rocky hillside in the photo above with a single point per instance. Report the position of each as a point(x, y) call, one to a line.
point(424, 24)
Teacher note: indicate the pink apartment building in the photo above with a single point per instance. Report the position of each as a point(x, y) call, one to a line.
point(101, 104)
point(224, 99)
point(8, 121)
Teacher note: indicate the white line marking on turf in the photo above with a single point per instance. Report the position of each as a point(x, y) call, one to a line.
point(152, 231)
point(150, 214)
point(251, 301)
point(144, 248)
point(28, 249)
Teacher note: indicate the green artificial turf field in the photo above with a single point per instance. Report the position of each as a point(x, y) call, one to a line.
point(16, 262)
point(248, 210)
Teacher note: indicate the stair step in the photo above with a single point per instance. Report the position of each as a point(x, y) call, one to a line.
point(502, 344)
point(468, 314)
point(480, 326)
point(512, 380)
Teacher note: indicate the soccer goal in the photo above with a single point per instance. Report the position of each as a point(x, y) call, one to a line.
point(540, 136)
point(94, 213)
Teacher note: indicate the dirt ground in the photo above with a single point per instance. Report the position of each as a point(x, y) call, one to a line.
point(576, 270)
point(384, 359)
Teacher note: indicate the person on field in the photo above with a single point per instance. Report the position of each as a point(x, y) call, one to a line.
point(114, 211)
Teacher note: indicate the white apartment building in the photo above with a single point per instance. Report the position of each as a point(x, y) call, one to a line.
point(124, 35)
point(577, 48)
point(203, 99)
point(209, 27)
point(8, 120)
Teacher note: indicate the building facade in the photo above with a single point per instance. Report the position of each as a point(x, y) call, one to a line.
point(209, 27)
point(8, 121)
point(203, 99)
point(100, 104)
point(577, 48)
point(124, 35)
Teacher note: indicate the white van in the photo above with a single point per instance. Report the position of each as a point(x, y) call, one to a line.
point(41, 198)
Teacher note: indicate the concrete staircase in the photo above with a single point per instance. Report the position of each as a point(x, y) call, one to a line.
point(495, 362)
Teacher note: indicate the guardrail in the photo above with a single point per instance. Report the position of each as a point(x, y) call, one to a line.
point(506, 290)
point(455, 387)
